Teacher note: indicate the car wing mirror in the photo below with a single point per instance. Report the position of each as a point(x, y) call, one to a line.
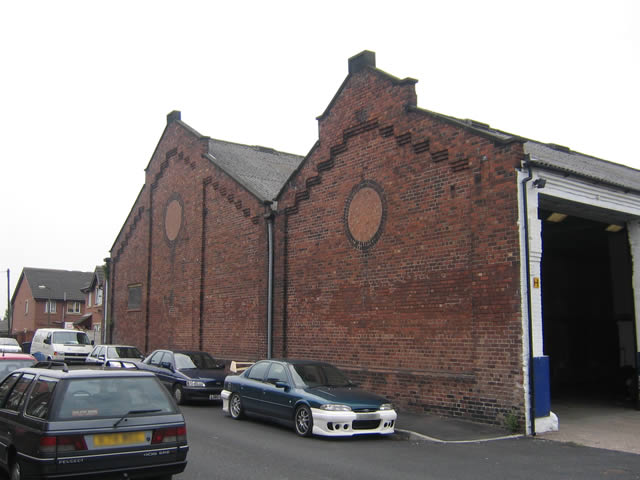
point(280, 384)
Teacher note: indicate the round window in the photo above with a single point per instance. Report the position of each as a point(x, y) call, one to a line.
point(365, 213)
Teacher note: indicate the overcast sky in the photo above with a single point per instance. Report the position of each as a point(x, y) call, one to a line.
point(85, 87)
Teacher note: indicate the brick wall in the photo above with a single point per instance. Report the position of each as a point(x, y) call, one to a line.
point(202, 271)
point(429, 312)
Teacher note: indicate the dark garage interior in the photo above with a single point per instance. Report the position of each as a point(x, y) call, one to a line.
point(588, 310)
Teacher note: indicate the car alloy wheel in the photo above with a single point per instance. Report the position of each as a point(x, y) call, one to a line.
point(304, 421)
point(178, 394)
point(235, 406)
point(15, 471)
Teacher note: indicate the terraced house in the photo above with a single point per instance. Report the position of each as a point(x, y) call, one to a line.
point(455, 268)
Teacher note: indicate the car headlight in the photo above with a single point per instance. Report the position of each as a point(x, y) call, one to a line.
point(335, 407)
point(386, 406)
point(195, 383)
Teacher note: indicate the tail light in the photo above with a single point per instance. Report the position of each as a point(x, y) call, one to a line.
point(169, 435)
point(64, 443)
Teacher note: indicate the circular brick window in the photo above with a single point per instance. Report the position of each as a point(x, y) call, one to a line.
point(173, 219)
point(365, 214)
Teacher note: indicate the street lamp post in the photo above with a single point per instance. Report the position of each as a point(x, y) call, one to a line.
point(48, 304)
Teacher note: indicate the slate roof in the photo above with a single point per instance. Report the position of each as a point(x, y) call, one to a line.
point(554, 157)
point(263, 171)
point(96, 278)
point(63, 283)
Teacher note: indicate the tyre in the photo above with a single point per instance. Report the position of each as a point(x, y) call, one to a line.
point(235, 406)
point(303, 421)
point(178, 394)
point(16, 471)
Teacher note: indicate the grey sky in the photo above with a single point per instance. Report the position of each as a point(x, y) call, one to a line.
point(85, 87)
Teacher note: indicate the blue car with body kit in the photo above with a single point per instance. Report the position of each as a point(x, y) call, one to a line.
point(187, 374)
point(314, 397)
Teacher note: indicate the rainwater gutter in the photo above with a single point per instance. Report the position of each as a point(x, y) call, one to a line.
point(532, 388)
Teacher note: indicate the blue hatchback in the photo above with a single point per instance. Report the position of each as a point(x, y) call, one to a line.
point(314, 397)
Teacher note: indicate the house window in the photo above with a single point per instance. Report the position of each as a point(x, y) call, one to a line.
point(135, 297)
point(89, 299)
point(26, 307)
point(50, 306)
point(73, 307)
point(98, 296)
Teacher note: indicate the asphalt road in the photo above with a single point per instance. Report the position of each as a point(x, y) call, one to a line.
point(222, 448)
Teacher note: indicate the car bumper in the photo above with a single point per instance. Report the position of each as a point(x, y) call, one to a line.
point(347, 424)
point(224, 395)
point(98, 467)
point(200, 393)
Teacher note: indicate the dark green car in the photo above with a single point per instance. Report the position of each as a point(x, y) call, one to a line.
point(314, 397)
point(118, 423)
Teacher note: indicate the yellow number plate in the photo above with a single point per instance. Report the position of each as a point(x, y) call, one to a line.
point(112, 439)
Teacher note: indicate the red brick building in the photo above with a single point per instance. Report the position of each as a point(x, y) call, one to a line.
point(399, 249)
point(47, 298)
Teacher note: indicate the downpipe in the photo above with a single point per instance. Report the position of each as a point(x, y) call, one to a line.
point(269, 217)
point(532, 388)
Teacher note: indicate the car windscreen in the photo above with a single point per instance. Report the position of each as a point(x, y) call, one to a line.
point(8, 366)
point(9, 341)
point(71, 338)
point(107, 397)
point(123, 352)
point(319, 374)
point(184, 361)
point(203, 360)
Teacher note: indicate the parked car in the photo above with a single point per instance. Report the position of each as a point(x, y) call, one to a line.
point(13, 361)
point(120, 423)
point(61, 344)
point(103, 353)
point(314, 397)
point(8, 344)
point(188, 375)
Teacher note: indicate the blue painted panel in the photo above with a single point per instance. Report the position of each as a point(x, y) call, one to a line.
point(542, 385)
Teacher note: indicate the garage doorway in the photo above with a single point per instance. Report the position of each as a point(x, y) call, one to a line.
point(588, 310)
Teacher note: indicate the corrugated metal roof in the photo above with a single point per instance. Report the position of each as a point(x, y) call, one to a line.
point(63, 283)
point(570, 162)
point(263, 171)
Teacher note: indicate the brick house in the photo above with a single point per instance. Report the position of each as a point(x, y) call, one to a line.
point(406, 247)
point(48, 298)
point(94, 304)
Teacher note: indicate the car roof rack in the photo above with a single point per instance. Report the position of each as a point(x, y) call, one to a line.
point(50, 364)
point(125, 364)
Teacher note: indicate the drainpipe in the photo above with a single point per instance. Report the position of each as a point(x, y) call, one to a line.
point(532, 388)
point(269, 216)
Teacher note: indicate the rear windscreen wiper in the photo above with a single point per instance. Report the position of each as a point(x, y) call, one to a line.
point(133, 412)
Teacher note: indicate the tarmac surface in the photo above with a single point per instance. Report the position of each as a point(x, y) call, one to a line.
point(610, 427)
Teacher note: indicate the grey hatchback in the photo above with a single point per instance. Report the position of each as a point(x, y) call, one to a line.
point(97, 424)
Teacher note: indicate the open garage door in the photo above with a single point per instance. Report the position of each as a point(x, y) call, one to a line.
point(588, 308)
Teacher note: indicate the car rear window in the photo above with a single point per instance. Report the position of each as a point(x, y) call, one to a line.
point(123, 352)
point(81, 398)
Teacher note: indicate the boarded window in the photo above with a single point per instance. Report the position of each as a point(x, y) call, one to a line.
point(135, 297)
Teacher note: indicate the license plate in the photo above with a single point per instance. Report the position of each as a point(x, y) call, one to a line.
point(214, 397)
point(366, 416)
point(113, 439)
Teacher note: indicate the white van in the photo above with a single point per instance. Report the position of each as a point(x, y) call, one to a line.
point(61, 344)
